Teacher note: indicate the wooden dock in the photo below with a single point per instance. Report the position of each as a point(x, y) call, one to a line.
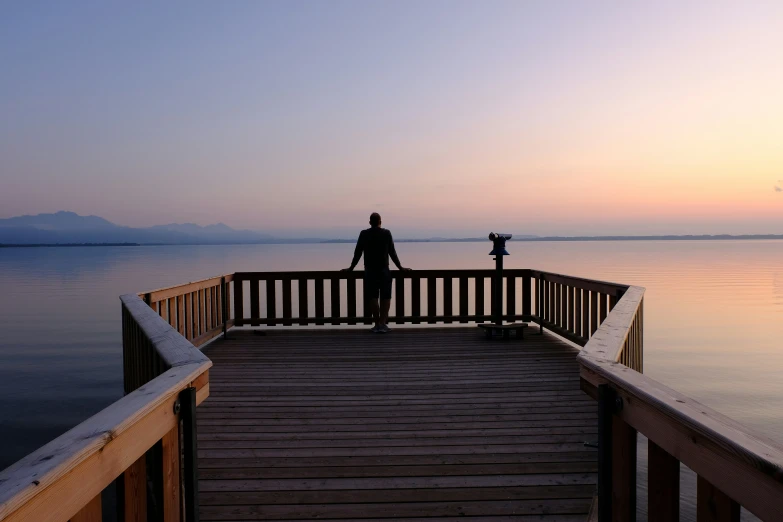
point(316, 421)
point(421, 422)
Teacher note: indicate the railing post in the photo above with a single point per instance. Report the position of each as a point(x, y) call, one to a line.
point(606, 405)
point(541, 304)
point(224, 305)
point(190, 452)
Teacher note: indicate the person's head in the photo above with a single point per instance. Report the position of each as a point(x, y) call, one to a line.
point(375, 219)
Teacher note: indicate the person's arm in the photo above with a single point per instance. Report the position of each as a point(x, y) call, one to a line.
point(357, 253)
point(393, 254)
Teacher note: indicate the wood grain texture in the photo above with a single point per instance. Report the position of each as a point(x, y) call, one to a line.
point(347, 424)
point(663, 490)
point(712, 505)
point(90, 513)
point(172, 487)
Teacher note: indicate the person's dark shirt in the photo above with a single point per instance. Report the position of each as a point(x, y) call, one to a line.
point(377, 245)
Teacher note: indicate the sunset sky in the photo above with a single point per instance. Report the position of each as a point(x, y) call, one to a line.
point(448, 117)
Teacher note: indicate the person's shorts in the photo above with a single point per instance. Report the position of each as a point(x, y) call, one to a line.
point(377, 283)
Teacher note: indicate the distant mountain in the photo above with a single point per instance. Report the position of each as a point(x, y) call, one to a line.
point(68, 227)
point(58, 221)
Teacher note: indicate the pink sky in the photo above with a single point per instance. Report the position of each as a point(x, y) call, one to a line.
point(449, 118)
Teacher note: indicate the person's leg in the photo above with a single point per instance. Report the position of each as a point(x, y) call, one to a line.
point(385, 305)
point(375, 311)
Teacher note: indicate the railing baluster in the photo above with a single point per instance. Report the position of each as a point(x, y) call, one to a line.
point(181, 315)
point(319, 301)
point(562, 306)
point(602, 307)
point(448, 298)
point(578, 314)
point(399, 297)
point(335, 298)
point(239, 303)
point(593, 312)
point(132, 492)
point(479, 297)
point(271, 301)
point(713, 505)
point(550, 302)
point(202, 309)
point(171, 476)
point(511, 297)
point(255, 302)
point(663, 496)
point(526, 294)
point(303, 304)
point(207, 309)
point(571, 306)
point(287, 311)
point(431, 299)
point(188, 316)
point(227, 300)
point(171, 304)
point(623, 470)
point(416, 299)
point(351, 300)
point(463, 300)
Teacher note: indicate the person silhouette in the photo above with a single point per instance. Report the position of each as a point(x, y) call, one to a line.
point(377, 245)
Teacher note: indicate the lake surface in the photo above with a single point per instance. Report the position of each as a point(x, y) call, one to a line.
point(713, 313)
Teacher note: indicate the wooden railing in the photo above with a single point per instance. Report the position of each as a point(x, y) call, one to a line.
point(420, 296)
point(166, 376)
point(199, 310)
point(734, 466)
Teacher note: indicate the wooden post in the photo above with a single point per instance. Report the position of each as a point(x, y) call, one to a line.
point(606, 403)
point(463, 300)
point(239, 313)
point(399, 297)
point(351, 297)
point(479, 297)
point(190, 453)
point(663, 485)
point(526, 291)
point(271, 300)
point(713, 505)
point(416, 299)
point(431, 299)
point(287, 306)
point(335, 298)
point(132, 492)
point(623, 471)
point(511, 297)
point(448, 298)
point(319, 301)
point(255, 300)
point(303, 304)
point(171, 480)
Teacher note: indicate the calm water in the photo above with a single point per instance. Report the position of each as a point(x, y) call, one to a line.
point(713, 325)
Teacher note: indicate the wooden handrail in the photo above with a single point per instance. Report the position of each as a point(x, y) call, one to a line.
point(735, 466)
point(67, 476)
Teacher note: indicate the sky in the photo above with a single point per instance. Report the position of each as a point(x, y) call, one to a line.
point(447, 117)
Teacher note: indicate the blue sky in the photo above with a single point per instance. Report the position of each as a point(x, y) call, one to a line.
point(447, 117)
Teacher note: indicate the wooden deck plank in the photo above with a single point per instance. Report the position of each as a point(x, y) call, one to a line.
point(425, 422)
